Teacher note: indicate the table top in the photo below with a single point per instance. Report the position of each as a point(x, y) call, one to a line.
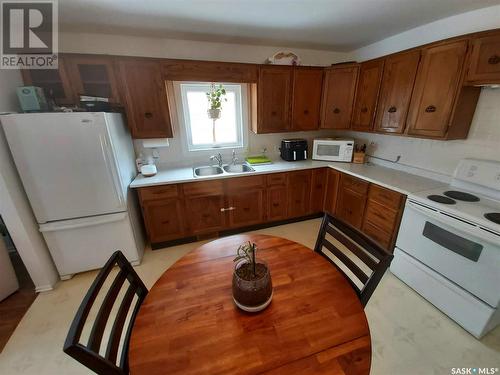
point(189, 324)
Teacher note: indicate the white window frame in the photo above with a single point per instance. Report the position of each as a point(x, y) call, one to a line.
point(240, 91)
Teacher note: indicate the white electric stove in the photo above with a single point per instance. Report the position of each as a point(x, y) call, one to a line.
point(448, 247)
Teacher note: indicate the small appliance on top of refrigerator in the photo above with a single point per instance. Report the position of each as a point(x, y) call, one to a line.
point(76, 169)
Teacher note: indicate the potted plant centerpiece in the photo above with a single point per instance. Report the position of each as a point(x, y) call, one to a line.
point(252, 286)
point(215, 96)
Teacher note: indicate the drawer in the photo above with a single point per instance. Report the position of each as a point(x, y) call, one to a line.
point(355, 184)
point(245, 183)
point(203, 188)
point(158, 192)
point(385, 196)
point(381, 216)
point(276, 179)
point(379, 236)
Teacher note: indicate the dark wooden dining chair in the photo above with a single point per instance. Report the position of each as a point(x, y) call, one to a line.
point(360, 248)
point(89, 354)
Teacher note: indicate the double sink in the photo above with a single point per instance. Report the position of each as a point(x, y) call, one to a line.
point(216, 170)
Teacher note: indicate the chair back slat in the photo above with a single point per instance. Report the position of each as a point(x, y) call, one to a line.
point(358, 245)
point(97, 332)
point(88, 354)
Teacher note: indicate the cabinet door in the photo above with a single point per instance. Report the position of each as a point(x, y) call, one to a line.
point(274, 93)
point(299, 188)
point(246, 208)
point(400, 71)
point(93, 75)
point(332, 187)
point(164, 219)
point(485, 60)
point(54, 82)
point(351, 207)
point(339, 88)
point(307, 87)
point(146, 98)
point(318, 189)
point(203, 213)
point(436, 87)
point(277, 203)
point(370, 75)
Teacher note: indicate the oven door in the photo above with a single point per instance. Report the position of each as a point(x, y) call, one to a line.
point(462, 252)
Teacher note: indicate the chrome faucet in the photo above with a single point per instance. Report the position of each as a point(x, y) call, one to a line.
point(234, 158)
point(217, 158)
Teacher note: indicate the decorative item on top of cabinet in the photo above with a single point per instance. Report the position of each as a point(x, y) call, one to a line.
point(93, 75)
point(274, 90)
point(299, 188)
point(352, 200)
point(55, 82)
point(367, 90)
point(484, 66)
point(441, 107)
point(306, 98)
point(398, 79)
point(145, 94)
point(339, 88)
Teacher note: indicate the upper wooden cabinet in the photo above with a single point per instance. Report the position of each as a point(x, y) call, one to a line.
point(370, 76)
point(306, 98)
point(485, 60)
point(145, 95)
point(339, 88)
point(93, 75)
point(54, 82)
point(397, 85)
point(438, 97)
point(209, 71)
point(273, 99)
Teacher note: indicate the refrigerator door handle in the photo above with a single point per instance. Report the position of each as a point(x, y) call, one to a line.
point(106, 154)
point(82, 223)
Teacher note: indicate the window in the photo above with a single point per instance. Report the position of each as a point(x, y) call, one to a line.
point(199, 128)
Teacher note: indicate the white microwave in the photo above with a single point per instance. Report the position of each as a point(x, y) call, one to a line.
point(333, 149)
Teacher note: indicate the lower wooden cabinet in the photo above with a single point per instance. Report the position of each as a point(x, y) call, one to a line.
point(164, 219)
point(277, 203)
point(299, 188)
point(246, 208)
point(331, 191)
point(318, 189)
point(203, 214)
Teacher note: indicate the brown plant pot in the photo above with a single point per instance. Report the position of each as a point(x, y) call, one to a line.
point(252, 293)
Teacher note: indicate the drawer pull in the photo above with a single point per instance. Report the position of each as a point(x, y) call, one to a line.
point(336, 110)
point(306, 112)
point(227, 209)
point(276, 204)
point(493, 60)
point(392, 109)
point(148, 115)
point(166, 222)
point(364, 110)
point(430, 109)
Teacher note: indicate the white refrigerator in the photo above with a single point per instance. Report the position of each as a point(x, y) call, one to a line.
point(76, 169)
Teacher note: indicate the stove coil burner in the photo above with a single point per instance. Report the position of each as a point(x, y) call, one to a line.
point(493, 216)
point(441, 199)
point(461, 196)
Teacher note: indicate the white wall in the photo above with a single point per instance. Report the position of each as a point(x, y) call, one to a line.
point(441, 156)
point(14, 206)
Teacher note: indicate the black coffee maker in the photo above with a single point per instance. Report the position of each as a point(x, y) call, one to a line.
point(293, 149)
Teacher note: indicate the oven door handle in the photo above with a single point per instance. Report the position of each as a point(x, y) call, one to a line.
point(455, 223)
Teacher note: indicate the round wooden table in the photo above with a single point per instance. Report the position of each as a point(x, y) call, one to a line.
point(189, 324)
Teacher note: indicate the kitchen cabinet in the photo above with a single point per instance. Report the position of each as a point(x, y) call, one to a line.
point(276, 194)
point(438, 98)
point(54, 82)
point(306, 98)
point(299, 188)
point(367, 90)
point(164, 219)
point(145, 95)
point(274, 90)
point(331, 191)
point(484, 66)
point(397, 85)
point(318, 190)
point(352, 200)
point(245, 198)
point(93, 75)
point(339, 88)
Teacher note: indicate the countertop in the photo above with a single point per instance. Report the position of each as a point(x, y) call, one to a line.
point(403, 182)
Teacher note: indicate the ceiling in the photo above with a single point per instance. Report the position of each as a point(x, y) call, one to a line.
point(339, 25)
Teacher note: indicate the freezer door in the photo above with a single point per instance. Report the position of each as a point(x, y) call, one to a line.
point(66, 164)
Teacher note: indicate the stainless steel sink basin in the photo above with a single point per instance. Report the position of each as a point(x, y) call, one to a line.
point(238, 168)
point(207, 171)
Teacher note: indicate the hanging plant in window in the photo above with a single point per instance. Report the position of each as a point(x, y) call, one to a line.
point(215, 97)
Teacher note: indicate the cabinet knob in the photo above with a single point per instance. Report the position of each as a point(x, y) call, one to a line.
point(148, 115)
point(493, 60)
point(391, 109)
point(273, 113)
point(306, 112)
point(336, 110)
point(364, 110)
point(430, 109)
